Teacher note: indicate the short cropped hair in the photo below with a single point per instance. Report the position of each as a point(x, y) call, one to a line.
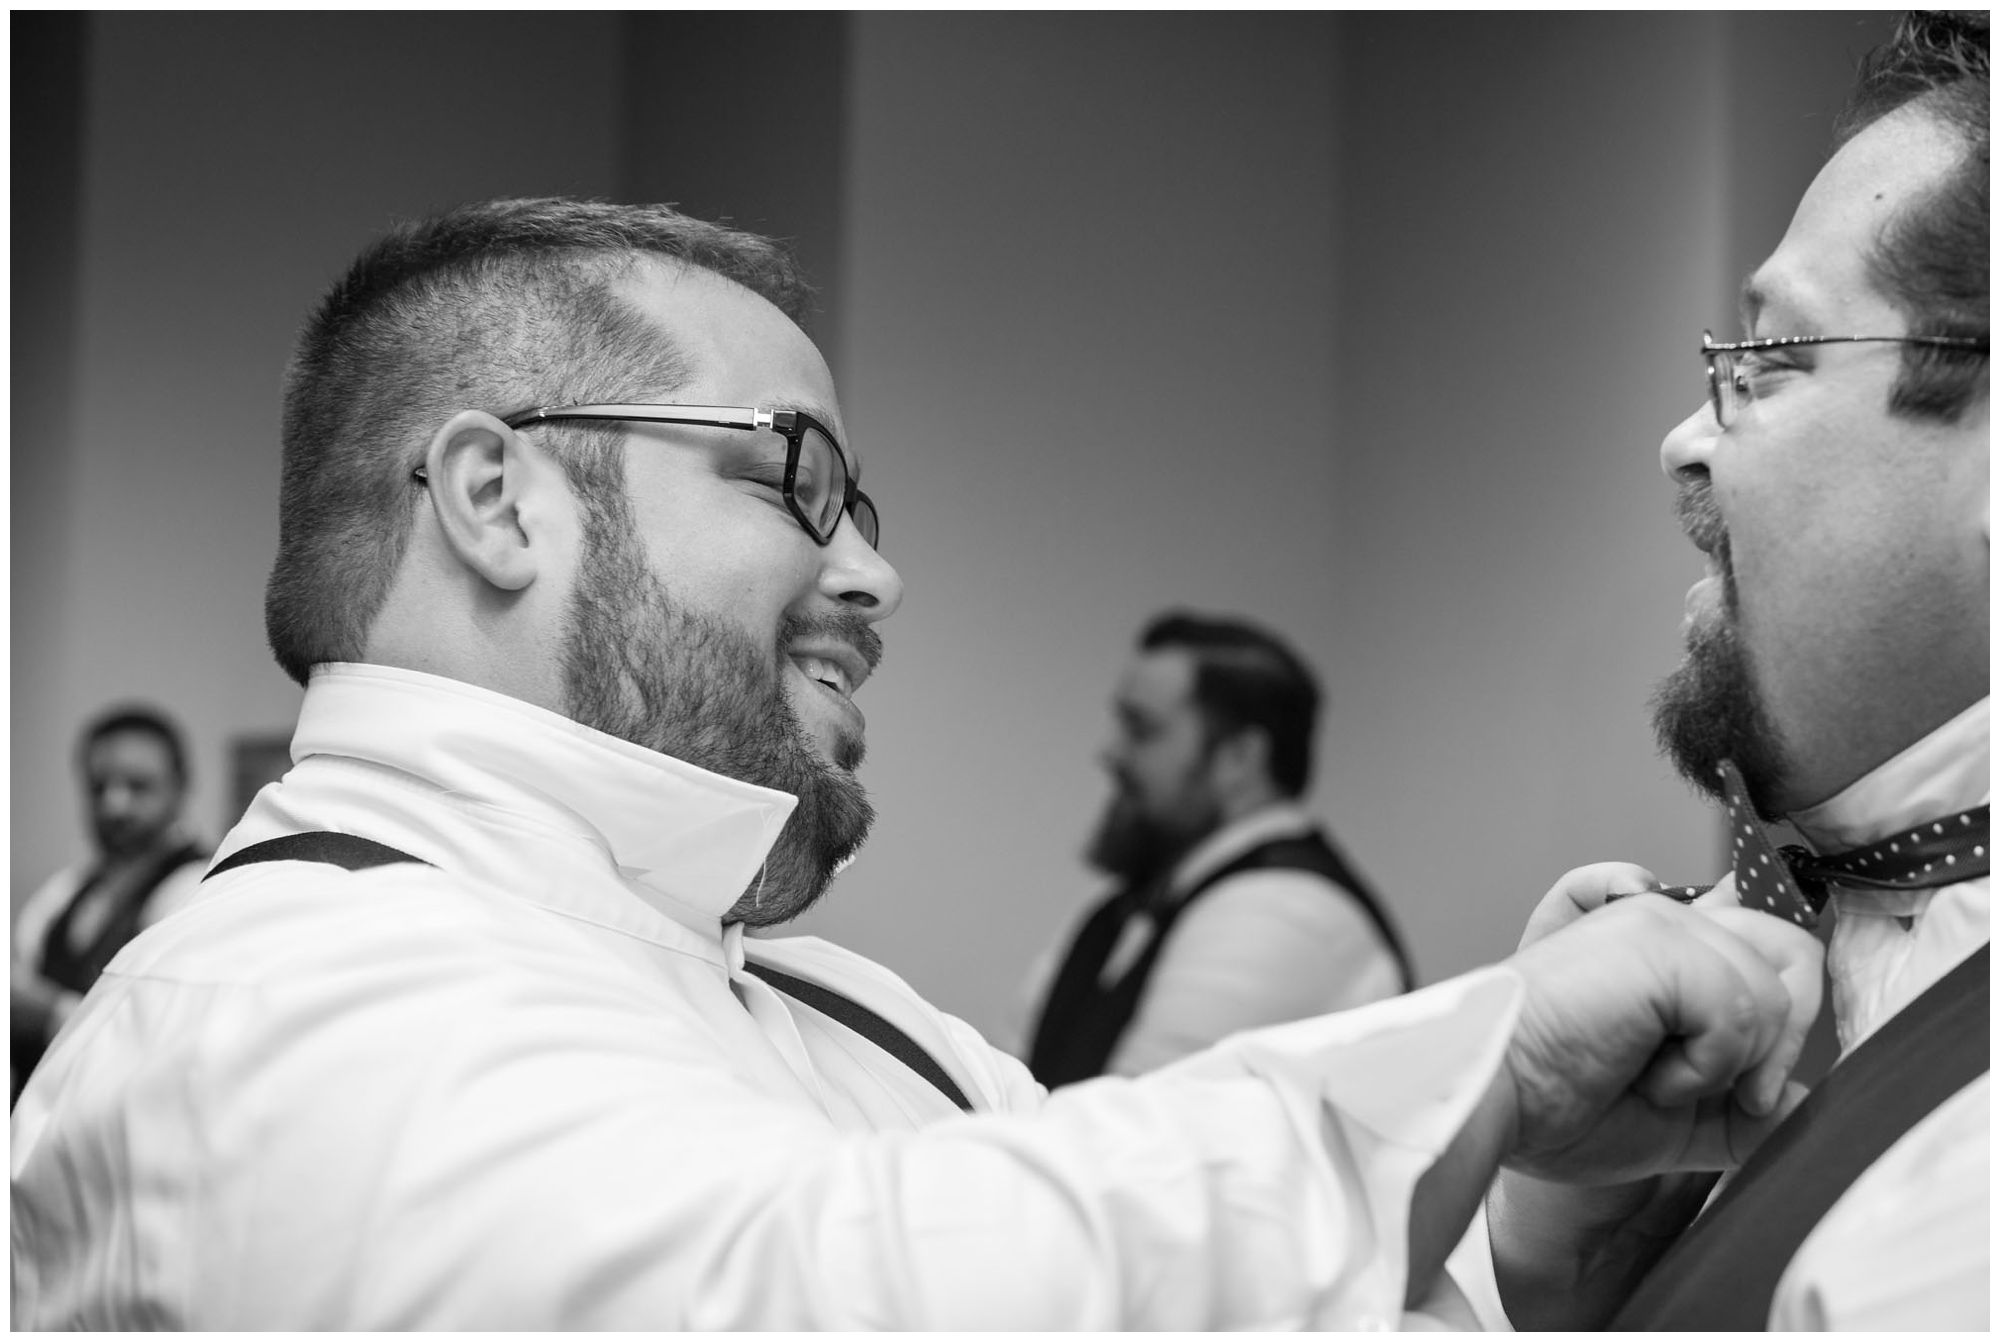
point(1931, 260)
point(499, 306)
point(142, 718)
point(1245, 677)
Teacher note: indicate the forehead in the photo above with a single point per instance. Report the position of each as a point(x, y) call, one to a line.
point(128, 752)
point(1158, 683)
point(1819, 277)
point(737, 347)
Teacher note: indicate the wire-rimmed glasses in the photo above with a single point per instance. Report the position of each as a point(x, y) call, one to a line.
point(818, 483)
point(1729, 385)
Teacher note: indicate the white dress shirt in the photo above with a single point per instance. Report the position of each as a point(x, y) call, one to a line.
point(1258, 948)
point(1908, 1245)
point(531, 1086)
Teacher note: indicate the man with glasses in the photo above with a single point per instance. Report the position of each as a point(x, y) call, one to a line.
point(1836, 676)
point(464, 1029)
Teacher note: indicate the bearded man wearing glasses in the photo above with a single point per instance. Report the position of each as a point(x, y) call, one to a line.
point(464, 1030)
point(1836, 676)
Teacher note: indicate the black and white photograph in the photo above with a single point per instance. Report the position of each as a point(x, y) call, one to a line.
point(1013, 669)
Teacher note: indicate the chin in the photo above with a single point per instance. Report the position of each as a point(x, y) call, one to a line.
point(848, 752)
point(1710, 709)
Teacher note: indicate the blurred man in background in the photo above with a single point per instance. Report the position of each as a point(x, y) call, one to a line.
point(133, 763)
point(1836, 676)
point(1233, 909)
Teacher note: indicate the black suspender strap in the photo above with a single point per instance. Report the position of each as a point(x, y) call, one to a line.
point(342, 850)
point(356, 853)
point(875, 1029)
point(1723, 1272)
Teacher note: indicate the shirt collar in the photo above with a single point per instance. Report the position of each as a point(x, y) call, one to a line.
point(1278, 820)
point(692, 839)
point(1948, 770)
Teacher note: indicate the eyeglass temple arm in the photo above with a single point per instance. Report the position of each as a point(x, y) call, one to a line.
point(1710, 345)
point(714, 416)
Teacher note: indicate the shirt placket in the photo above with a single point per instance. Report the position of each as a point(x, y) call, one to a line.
point(773, 1018)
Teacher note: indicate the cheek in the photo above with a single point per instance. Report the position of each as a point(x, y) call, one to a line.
point(1777, 520)
point(745, 576)
point(1167, 771)
point(1148, 768)
point(1810, 580)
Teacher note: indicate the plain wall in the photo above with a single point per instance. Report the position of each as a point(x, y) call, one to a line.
point(1364, 325)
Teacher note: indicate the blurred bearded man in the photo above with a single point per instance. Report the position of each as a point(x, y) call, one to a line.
point(1234, 908)
point(133, 763)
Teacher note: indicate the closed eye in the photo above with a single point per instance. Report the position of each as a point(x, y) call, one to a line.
point(769, 475)
point(1758, 371)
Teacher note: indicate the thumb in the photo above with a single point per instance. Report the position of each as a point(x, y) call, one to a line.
point(1581, 890)
point(1725, 1134)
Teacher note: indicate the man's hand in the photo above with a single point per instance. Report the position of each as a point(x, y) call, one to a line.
point(1654, 1037)
point(1743, 989)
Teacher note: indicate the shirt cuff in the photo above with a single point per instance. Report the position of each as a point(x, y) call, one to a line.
point(1394, 1083)
point(1467, 1295)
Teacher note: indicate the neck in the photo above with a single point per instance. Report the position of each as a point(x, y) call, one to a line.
point(1248, 799)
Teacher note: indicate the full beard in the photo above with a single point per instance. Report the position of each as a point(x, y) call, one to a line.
point(1709, 708)
point(1134, 846)
point(639, 667)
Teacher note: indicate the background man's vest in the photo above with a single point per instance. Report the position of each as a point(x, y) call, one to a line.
point(77, 967)
point(1082, 1020)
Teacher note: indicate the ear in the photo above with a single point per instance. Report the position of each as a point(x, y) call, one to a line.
point(490, 492)
point(1241, 761)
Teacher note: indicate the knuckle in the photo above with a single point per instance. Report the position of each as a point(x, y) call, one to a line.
point(1743, 1012)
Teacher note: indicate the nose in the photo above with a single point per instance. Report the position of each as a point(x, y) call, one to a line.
point(1114, 755)
point(1684, 452)
point(114, 801)
point(855, 575)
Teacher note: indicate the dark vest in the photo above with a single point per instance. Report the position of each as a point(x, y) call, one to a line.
point(1723, 1273)
point(76, 969)
point(1082, 1020)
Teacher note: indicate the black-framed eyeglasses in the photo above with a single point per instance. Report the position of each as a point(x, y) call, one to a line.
point(1729, 384)
point(818, 483)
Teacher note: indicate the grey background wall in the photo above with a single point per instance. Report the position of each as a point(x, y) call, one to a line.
point(1365, 325)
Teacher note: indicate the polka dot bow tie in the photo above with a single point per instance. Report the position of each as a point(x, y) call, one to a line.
point(1791, 882)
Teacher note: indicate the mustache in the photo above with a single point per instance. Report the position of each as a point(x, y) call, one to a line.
point(849, 626)
point(1701, 520)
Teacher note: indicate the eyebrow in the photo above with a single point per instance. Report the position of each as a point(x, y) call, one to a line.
point(1751, 301)
point(813, 408)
